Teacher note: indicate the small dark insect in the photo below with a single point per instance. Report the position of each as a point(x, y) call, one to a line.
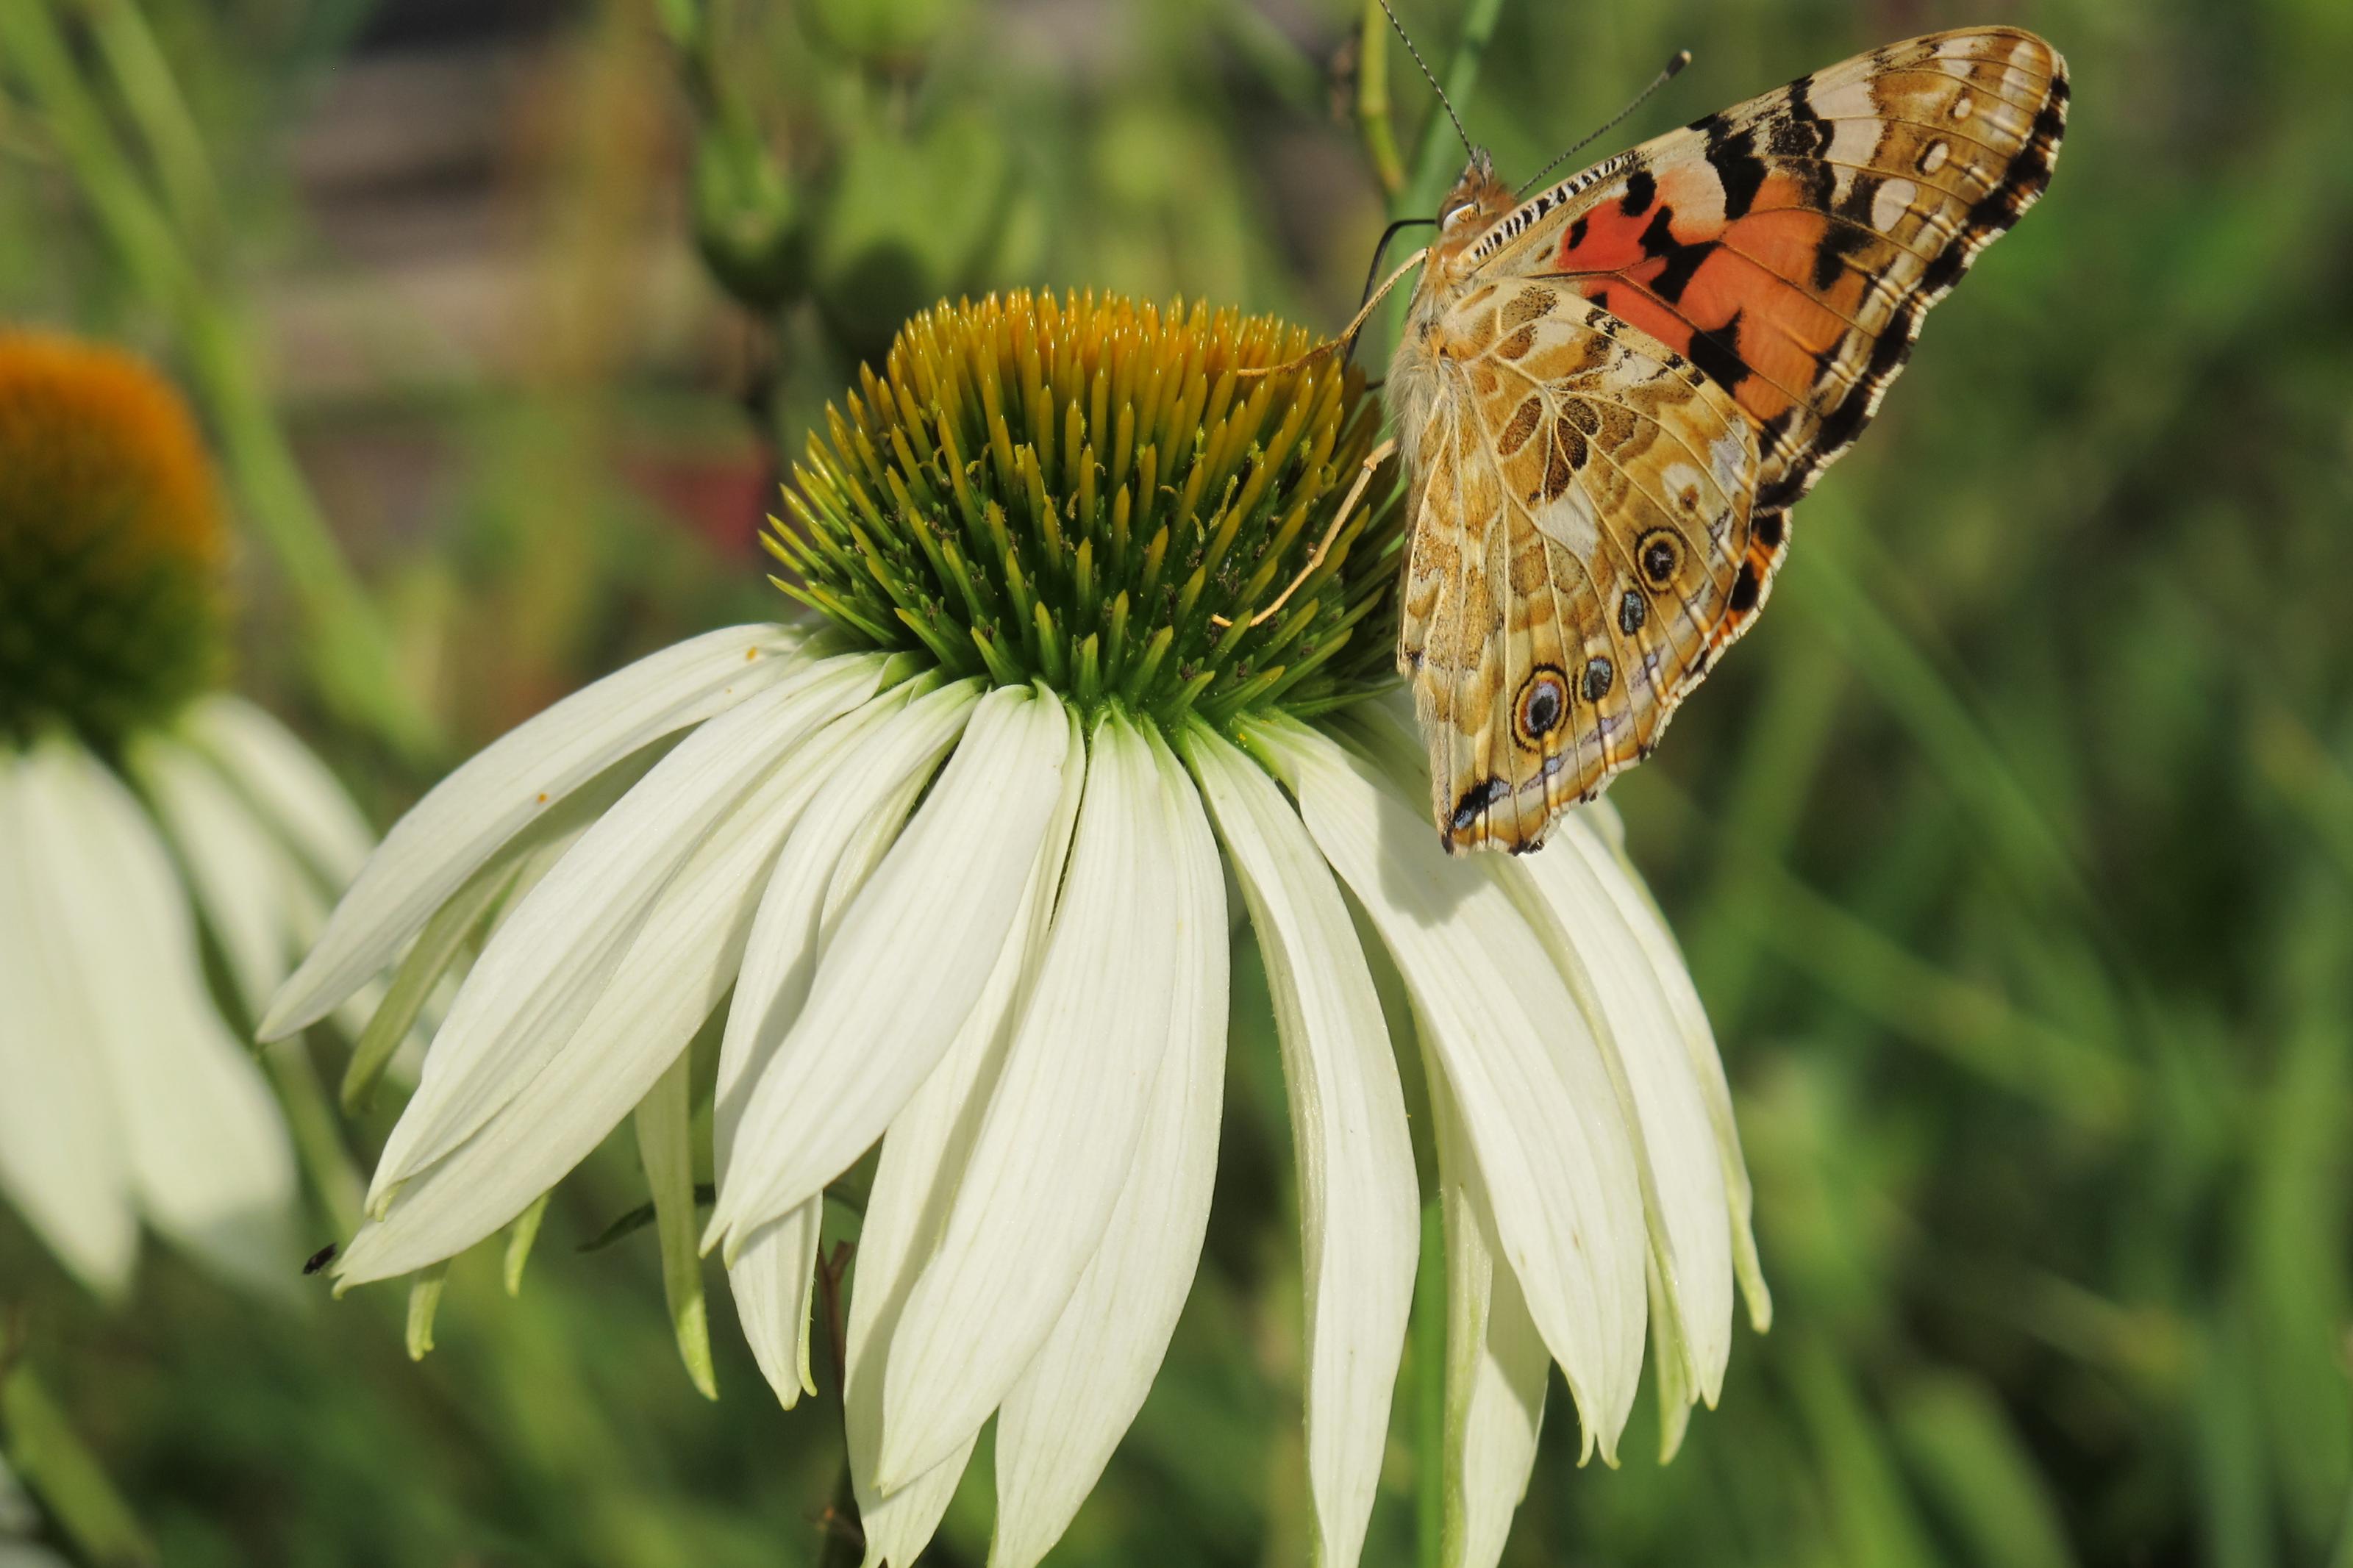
point(320, 1259)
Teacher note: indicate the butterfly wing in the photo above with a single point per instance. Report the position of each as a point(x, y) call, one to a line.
point(1791, 246)
point(1725, 307)
point(1581, 509)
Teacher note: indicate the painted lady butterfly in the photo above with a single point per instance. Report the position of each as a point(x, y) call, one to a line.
point(1612, 393)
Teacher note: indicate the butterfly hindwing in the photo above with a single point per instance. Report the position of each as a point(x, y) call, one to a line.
point(1581, 507)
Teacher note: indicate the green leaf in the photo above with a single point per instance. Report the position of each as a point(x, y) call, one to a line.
point(666, 1144)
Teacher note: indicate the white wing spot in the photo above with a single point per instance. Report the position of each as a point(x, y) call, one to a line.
point(1890, 203)
point(1933, 158)
point(1962, 104)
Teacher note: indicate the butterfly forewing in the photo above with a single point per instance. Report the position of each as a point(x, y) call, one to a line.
point(1773, 262)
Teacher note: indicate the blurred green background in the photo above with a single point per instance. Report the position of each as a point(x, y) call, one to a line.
point(2014, 853)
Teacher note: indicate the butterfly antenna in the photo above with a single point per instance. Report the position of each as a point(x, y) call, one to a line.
point(1666, 74)
point(1430, 77)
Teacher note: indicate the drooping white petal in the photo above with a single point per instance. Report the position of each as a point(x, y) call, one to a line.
point(771, 1280)
point(905, 966)
point(1359, 1219)
point(417, 998)
point(1691, 1232)
point(61, 1157)
point(545, 970)
point(1598, 946)
point(210, 1162)
point(914, 1188)
point(780, 959)
point(1595, 833)
point(287, 786)
point(1060, 1130)
point(1496, 1363)
point(770, 1274)
point(234, 866)
point(462, 821)
point(1534, 1089)
point(1078, 1397)
point(683, 958)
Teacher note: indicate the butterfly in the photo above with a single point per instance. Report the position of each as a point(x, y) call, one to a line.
point(1611, 395)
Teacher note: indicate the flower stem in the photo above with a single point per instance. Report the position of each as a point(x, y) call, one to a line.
point(1372, 123)
point(43, 1447)
point(318, 1139)
point(1434, 161)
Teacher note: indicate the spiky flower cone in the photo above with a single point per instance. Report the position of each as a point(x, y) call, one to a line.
point(112, 547)
point(1080, 491)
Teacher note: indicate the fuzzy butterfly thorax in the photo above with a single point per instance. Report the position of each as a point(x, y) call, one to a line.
point(1609, 396)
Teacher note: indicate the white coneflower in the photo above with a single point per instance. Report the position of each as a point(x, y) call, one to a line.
point(127, 782)
point(953, 866)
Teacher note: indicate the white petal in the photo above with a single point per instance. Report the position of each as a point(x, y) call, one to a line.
point(1359, 1213)
point(445, 837)
point(1600, 838)
point(1683, 1192)
point(545, 970)
point(876, 784)
point(1496, 1363)
point(1060, 1131)
point(288, 784)
point(233, 865)
point(903, 970)
point(680, 964)
point(61, 1156)
point(781, 957)
point(1078, 1397)
point(209, 1157)
point(771, 1279)
point(397, 1029)
point(915, 1185)
point(1525, 1067)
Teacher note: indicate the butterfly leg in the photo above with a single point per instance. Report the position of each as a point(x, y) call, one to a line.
point(1346, 334)
point(1373, 460)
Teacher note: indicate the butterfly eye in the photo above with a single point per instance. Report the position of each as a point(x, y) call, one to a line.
point(1454, 213)
point(1544, 702)
point(1660, 553)
point(1632, 611)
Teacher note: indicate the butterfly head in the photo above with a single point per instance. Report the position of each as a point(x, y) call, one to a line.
point(1474, 204)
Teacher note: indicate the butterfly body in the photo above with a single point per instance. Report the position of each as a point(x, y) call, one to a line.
point(1609, 396)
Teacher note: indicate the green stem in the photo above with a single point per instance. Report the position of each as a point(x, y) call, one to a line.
point(43, 1448)
point(143, 79)
point(1435, 162)
point(318, 1137)
point(1372, 122)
